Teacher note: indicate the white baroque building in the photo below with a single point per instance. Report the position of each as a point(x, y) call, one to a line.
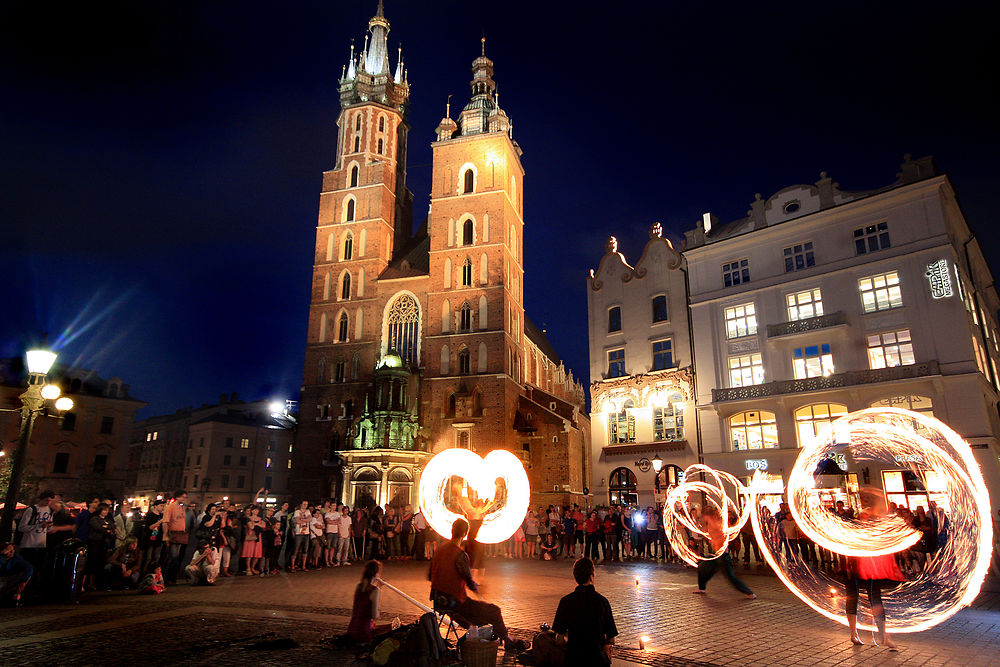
point(642, 389)
point(823, 301)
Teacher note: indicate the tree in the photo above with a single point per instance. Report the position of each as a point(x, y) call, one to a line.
point(29, 483)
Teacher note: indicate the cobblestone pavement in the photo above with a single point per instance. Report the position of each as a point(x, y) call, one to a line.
point(219, 625)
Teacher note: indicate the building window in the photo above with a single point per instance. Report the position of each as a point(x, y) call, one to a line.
point(464, 364)
point(201, 442)
point(622, 487)
point(812, 361)
point(357, 144)
point(350, 211)
point(465, 318)
point(467, 273)
point(107, 424)
point(198, 461)
point(810, 419)
point(614, 319)
point(339, 371)
point(195, 484)
point(240, 482)
point(69, 422)
point(229, 442)
point(799, 256)
point(267, 462)
point(741, 321)
point(243, 461)
point(348, 246)
point(345, 288)
point(464, 439)
point(803, 305)
point(61, 464)
point(468, 232)
point(191, 443)
point(871, 238)
point(403, 323)
point(745, 370)
point(224, 481)
point(621, 425)
point(660, 308)
point(354, 176)
point(469, 179)
point(663, 354)
point(381, 124)
point(893, 348)
point(289, 464)
point(880, 292)
point(244, 443)
point(357, 122)
point(616, 363)
point(227, 460)
point(736, 273)
point(753, 430)
point(342, 328)
point(381, 145)
point(668, 422)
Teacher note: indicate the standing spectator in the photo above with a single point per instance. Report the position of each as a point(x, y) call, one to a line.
point(34, 529)
point(344, 541)
point(531, 533)
point(124, 565)
point(316, 541)
point(569, 534)
point(152, 533)
point(579, 531)
point(749, 540)
point(63, 524)
point(420, 536)
point(100, 539)
point(792, 535)
point(175, 536)
point(300, 524)
point(270, 542)
point(584, 621)
point(392, 528)
point(83, 519)
point(406, 531)
point(282, 516)
point(360, 532)
point(124, 524)
point(331, 520)
point(591, 527)
point(652, 532)
point(615, 534)
point(376, 534)
point(252, 550)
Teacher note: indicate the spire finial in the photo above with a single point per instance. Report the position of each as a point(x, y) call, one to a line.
point(447, 108)
point(484, 44)
point(379, 12)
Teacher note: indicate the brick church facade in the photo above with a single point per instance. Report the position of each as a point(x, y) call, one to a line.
point(418, 342)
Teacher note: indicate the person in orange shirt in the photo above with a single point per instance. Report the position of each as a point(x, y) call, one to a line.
point(175, 536)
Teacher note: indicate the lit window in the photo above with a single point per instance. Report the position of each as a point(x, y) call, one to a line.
point(812, 361)
point(663, 354)
point(745, 370)
point(893, 348)
point(267, 462)
point(871, 238)
point(736, 273)
point(668, 422)
point(149, 437)
point(880, 292)
point(660, 308)
point(741, 321)
point(799, 256)
point(803, 305)
point(753, 430)
point(244, 443)
point(614, 319)
point(156, 434)
point(621, 425)
point(289, 464)
point(810, 419)
point(616, 363)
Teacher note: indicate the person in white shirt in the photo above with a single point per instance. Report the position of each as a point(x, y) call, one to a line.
point(300, 522)
point(331, 519)
point(343, 544)
point(34, 529)
point(420, 543)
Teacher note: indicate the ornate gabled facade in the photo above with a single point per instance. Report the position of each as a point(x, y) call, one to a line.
point(419, 342)
point(641, 372)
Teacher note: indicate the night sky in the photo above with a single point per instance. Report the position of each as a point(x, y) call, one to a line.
point(161, 161)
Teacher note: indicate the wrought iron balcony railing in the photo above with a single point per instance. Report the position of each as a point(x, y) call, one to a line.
point(811, 324)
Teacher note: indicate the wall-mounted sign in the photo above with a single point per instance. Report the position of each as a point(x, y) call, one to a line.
point(908, 458)
point(839, 459)
point(643, 464)
point(756, 464)
point(940, 279)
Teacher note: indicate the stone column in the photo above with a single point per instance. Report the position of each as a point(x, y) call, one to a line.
point(383, 488)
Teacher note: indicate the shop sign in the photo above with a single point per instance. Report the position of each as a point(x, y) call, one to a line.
point(940, 279)
point(756, 464)
point(908, 458)
point(839, 459)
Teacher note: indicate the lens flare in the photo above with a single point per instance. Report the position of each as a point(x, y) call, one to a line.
point(495, 486)
point(681, 517)
point(928, 457)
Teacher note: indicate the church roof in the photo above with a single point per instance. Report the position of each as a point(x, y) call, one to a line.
point(541, 341)
point(411, 259)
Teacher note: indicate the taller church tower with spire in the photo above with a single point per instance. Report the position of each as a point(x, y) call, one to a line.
point(419, 341)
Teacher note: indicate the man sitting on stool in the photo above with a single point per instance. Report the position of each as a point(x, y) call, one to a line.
point(450, 573)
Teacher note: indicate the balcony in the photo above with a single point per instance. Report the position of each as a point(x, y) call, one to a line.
point(834, 381)
point(836, 319)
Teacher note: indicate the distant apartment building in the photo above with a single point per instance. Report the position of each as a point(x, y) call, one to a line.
point(232, 449)
point(641, 373)
point(81, 452)
point(821, 302)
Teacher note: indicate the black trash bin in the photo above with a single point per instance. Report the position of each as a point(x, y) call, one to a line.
point(68, 569)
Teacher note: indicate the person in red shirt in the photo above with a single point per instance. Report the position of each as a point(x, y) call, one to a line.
point(450, 575)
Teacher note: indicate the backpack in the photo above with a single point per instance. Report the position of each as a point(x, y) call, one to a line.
point(413, 645)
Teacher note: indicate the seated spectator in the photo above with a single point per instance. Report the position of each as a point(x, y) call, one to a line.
point(15, 572)
point(124, 565)
point(152, 583)
point(584, 621)
point(450, 574)
point(365, 612)
point(204, 567)
point(549, 547)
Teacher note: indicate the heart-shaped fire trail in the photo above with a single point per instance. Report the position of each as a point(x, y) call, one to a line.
point(460, 483)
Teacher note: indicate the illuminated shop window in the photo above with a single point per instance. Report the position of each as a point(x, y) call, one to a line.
point(753, 430)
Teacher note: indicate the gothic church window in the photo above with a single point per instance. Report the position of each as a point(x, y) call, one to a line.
point(345, 287)
point(342, 329)
point(321, 370)
point(445, 360)
point(357, 122)
point(469, 181)
point(467, 273)
point(468, 230)
point(380, 146)
point(357, 144)
point(349, 210)
point(464, 363)
point(340, 371)
point(354, 176)
point(348, 246)
point(381, 123)
point(403, 321)
point(465, 322)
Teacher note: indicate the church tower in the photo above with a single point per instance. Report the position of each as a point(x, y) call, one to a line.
point(476, 312)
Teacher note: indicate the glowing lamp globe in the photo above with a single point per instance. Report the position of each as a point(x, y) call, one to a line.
point(657, 463)
point(40, 361)
point(276, 407)
point(64, 403)
point(50, 392)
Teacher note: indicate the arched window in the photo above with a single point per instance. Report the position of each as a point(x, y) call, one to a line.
point(447, 273)
point(321, 370)
point(464, 362)
point(468, 229)
point(753, 430)
point(446, 316)
point(451, 405)
point(355, 374)
point(467, 273)
point(380, 146)
point(668, 422)
point(621, 425)
point(357, 122)
point(464, 439)
point(381, 123)
point(660, 308)
point(349, 210)
point(445, 360)
point(342, 329)
point(469, 181)
point(326, 286)
point(340, 371)
point(322, 328)
point(465, 321)
point(345, 287)
point(348, 246)
point(622, 487)
point(484, 272)
point(810, 419)
point(354, 176)
point(483, 315)
point(402, 334)
point(357, 143)
point(481, 365)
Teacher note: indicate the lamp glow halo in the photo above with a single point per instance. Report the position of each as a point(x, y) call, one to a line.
point(679, 520)
point(887, 438)
point(481, 474)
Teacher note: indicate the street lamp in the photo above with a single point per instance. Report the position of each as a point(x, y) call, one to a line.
point(657, 467)
point(34, 401)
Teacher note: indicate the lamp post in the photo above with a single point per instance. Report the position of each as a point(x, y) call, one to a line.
point(34, 401)
point(657, 467)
